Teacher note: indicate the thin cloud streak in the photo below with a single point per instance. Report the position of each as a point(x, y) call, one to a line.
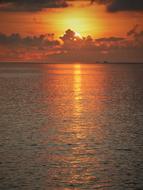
point(33, 5)
point(121, 5)
point(30, 5)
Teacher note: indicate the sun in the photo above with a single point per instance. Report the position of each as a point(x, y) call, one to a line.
point(77, 22)
point(78, 35)
point(79, 16)
point(75, 19)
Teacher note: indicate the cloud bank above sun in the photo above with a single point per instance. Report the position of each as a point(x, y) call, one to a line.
point(121, 5)
point(32, 5)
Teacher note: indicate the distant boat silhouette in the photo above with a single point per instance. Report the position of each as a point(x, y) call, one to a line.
point(105, 61)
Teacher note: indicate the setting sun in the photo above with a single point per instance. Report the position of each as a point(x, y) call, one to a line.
point(71, 94)
point(78, 35)
point(76, 23)
point(77, 20)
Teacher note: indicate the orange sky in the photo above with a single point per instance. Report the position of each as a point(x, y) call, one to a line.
point(115, 36)
point(80, 17)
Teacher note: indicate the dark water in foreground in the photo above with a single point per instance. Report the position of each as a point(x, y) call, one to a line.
point(71, 127)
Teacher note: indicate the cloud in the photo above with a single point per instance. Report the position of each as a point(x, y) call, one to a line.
point(71, 41)
point(30, 5)
point(100, 1)
point(68, 36)
point(110, 39)
point(125, 5)
point(35, 5)
point(90, 50)
point(16, 47)
point(133, 30)
point(31, 41)
point(70, 47)
point(137, 35)
point(121, 5)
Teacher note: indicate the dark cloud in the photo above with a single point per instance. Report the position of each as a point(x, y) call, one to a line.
point(100, 1)
point(70, 40)
point(125, 5)
point(30, 5)
point(121, 5)
point(88, 49)
point(16, 47)
point(29, 41)
point(68, 36)
point(35, 5)
point(133, 30)
point(71, 47)
point(136, 34)
point(110, 39)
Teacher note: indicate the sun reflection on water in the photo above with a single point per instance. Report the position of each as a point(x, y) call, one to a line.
point(71, 135)
point(77, 157)
point(77, 85)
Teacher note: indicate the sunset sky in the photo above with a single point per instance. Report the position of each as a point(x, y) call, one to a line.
point(71, 30)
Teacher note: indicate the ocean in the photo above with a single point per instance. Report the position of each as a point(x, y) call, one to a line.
point(71, 126)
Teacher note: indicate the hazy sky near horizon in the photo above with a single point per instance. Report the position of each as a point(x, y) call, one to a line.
point(71, 30)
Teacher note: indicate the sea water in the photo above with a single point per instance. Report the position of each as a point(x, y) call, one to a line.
point(71, 126)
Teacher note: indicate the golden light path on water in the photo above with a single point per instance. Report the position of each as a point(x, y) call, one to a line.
point(71, 128)
point(78, 159)
point(77, 89)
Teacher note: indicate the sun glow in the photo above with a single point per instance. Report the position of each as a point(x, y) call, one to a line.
point(78, 35)
point(77, 88)
point(76, 19)
point(75, 23)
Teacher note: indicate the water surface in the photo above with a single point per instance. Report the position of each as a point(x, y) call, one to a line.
point(71, 126)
